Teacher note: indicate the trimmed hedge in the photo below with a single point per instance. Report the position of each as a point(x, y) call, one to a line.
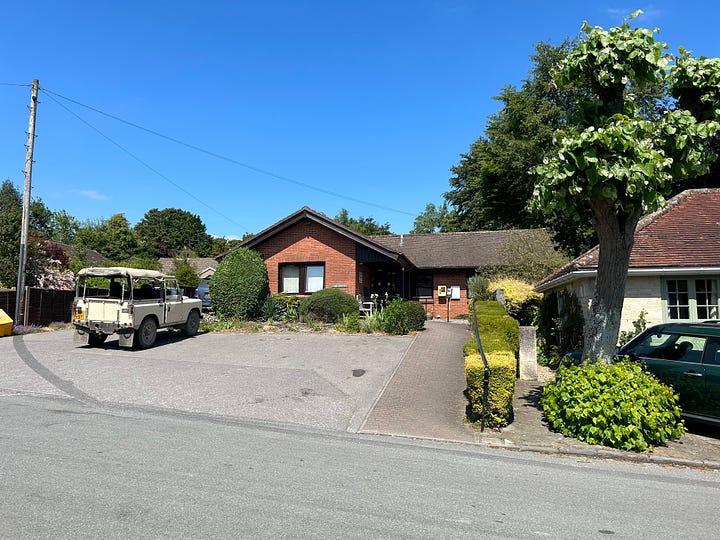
point(328, 305)
point(498, 330)
point(500, 338)
point(501, 387)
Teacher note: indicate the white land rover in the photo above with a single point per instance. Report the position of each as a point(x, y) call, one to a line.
point(132, 303)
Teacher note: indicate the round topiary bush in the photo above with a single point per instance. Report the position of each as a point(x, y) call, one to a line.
point(239, 286)
point(617, 405)
point(416, 315)
point(328, 305)
point(395, 318)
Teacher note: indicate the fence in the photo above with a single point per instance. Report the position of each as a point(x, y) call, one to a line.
point(41, 306)
point(44, 306)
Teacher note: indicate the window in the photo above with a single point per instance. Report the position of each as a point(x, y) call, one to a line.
point(423, 285)
point(691, 299)
point(305, 278)
point(678, 299)
point(707, 301)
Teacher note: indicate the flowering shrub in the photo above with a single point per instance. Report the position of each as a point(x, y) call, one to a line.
point(50, 274)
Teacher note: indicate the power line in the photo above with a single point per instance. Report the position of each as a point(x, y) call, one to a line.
point(231, 160)
point(143, 163)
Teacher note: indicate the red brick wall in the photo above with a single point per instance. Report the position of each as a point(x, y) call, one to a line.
point(439, 306)
point(308, 242)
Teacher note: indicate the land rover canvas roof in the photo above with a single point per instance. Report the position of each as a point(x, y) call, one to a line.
point(120, 271)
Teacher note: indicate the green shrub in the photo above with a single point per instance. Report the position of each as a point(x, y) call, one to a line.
point(560, 324)
point(373, 322)
point(239, 286)
point(327, 305)
point(349, 322)
point(639, 326)
point(185, 273)
point(287, 308)
point(395, 318)
point(501, 387)
point(521, 301)
point(416, 315)
point(478, 287)
point(617, 405)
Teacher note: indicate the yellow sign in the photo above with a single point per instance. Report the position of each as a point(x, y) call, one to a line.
point(442, 291)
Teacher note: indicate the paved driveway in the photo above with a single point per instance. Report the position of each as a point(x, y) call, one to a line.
point(322, 380)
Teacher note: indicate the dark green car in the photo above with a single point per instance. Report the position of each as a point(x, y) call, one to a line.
point(687, 357)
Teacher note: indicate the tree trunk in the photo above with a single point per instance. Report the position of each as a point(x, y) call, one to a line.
point(616, 231)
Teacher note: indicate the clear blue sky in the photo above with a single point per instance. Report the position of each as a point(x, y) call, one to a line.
point(372, 100)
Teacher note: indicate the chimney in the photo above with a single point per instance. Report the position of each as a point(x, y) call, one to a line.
point(401, 239)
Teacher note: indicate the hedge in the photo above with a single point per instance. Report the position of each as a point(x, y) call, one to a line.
point(500, 338)
point(500, 391)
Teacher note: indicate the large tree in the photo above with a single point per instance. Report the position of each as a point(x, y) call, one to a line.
point(619, 157)
point(10, 224)
point(432, 220)
point(113, 238)
point(171, 230)
point(10, 232)
point(493, 182)
point(364, 225)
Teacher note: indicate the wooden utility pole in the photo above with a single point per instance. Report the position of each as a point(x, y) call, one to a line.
point(26, 201)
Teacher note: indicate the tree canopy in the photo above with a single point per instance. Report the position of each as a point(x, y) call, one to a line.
point(617, 160)
point(171, 230)
point(113, 238)
point(493, 183)
point(364, 225)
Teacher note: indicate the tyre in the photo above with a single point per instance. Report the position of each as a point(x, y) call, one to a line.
point(190, 328)
point(146, 334)
point(95, 340)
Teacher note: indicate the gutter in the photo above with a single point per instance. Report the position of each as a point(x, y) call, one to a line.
point(635, 272)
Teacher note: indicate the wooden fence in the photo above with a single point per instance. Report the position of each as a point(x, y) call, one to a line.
point(41, 306)
point(44, 306)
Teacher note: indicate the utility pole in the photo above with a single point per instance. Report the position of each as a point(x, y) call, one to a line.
point(26, 201)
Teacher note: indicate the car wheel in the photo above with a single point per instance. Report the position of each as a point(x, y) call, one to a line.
point(95, 340)
point(190, 328)
point(146, 334)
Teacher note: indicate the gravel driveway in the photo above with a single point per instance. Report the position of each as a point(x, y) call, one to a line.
point(323, 380)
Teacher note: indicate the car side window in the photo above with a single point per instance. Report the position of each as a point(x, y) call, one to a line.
point(712, 352)
point(677, 347)
point(689, 349)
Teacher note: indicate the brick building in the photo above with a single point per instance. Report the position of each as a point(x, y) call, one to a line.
point(307, 251)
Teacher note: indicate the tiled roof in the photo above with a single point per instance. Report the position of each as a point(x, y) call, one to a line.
point(199, 264)
point(683, 234)
point(468, 250)
point(451, 250)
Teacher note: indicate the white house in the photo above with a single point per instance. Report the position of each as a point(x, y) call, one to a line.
point(674, 269)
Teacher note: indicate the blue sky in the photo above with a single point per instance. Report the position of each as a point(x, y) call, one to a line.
point(356, 105)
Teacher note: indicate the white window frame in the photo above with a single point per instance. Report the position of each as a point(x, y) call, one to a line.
point(692, 298)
